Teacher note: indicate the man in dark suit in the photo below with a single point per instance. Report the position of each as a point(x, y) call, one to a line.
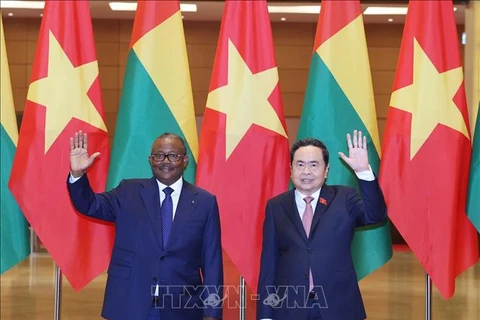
point(167, 258)
point(306, 268)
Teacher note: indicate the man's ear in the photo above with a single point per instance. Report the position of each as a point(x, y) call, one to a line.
point(185, 161)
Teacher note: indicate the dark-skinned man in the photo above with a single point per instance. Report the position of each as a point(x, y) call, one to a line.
point(167, 259)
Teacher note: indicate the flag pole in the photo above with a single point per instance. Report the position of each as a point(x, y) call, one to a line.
point(58, 292)
point(243, 295)
point(428, 297)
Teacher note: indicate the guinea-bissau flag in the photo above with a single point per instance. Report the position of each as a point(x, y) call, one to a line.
point(339, 98)
point(14, 235)
point(63, 97)
point(156, 95)
point(473, 198)
point(244, 156)
point(427, 148)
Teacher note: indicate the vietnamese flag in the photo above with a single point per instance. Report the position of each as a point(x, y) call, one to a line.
point(427, 148)
point(243, 154)
point(63, 97)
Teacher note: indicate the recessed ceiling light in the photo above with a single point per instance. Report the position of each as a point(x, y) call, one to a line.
point(390, 20)
point(10, 14)
point(283, 19)
point(132, 6)
point(22, 4)
point(385, 11)
point(294, 9)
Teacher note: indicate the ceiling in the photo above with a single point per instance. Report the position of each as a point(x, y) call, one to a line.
point(212, 11)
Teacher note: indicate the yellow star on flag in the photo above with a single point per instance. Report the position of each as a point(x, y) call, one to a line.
point(430, 99)
point(64, 93)
point(244, 99)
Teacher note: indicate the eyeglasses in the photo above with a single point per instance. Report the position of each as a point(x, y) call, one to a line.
point(172, 157)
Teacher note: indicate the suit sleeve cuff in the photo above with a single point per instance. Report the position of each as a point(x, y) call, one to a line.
point(72, 179)
point(366, 175)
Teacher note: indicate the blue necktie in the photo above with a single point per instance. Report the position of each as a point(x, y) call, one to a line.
point(167, 215)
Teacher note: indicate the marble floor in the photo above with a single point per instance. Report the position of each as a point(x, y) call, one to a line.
point(394, 292)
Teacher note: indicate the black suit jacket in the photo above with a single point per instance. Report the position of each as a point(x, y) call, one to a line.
point(288, 255)
point(192, 260)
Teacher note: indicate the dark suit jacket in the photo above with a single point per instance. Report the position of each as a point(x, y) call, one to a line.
point(287, 253)
point(139, 261)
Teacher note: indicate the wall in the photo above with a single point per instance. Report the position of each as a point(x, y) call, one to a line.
point(293, 49)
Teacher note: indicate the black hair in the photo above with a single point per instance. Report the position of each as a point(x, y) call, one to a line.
point(310, 142)
point(171, 135)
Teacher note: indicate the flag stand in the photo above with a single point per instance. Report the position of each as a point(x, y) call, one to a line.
point(243, 295)
point(428, 297)
point(58, 292)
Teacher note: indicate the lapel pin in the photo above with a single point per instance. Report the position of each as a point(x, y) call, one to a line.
point(323, 201)
point(193, 201)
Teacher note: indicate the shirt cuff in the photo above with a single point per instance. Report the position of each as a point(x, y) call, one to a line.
point(72, 179)
point(366, 175)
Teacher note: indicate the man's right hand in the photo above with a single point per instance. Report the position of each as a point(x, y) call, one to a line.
point(79, 159)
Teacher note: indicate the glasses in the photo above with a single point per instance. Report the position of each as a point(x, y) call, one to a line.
point(172, 157)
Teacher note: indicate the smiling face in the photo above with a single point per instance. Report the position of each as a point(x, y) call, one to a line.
point(166, 171)
point(308, 169)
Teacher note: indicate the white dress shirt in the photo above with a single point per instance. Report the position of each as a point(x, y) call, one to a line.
point(177, 189)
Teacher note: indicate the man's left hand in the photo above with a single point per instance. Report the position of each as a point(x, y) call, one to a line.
point(357, 152)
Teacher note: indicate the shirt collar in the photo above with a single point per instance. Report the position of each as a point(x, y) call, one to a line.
point(176, 186)
point(315, 195)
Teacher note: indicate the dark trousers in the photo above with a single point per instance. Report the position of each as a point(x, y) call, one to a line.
point(154, 313)
point(313, 306)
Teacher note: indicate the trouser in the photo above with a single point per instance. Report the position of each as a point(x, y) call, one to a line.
point(313, 307)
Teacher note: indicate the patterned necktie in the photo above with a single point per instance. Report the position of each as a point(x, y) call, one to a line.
point(167, 215)
point(307, 224)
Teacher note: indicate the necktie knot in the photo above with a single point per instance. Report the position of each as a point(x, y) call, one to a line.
point(168, 191)
point(308, 199)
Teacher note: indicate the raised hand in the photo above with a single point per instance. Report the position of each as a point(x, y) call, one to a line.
point(79, 159)
point(357, 152)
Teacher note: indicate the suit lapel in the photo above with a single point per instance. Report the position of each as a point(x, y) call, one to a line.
point(151, 200)
point(185, 207)
point(292, 213)
point(324, 200)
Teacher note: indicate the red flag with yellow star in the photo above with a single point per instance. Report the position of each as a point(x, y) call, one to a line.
point(426, 147)
point(63, 97)
point(244, 156)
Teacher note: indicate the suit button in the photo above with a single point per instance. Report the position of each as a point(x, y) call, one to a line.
point(162, 258)
point(310, 250)
point(305, 276)
point(154, 279)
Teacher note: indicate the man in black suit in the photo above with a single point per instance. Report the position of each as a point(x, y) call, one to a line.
point(306, 268)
